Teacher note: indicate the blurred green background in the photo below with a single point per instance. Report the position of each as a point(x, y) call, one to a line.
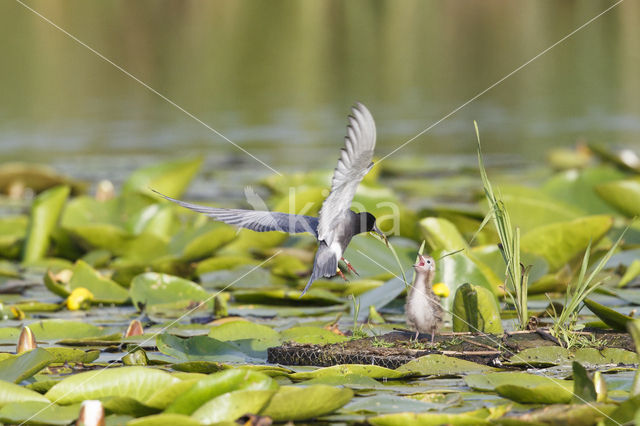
point(278, 78)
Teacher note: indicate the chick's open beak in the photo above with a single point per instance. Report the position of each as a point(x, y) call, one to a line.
point(379, 232)
point(421, 261)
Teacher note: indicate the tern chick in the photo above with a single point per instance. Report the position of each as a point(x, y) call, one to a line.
point(423, 309)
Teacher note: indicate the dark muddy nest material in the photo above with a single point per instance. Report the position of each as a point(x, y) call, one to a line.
point(395, 349)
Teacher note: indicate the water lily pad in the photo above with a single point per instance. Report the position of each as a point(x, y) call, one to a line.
point(25, 365)
point(582, 414)
point(560, 242)
point(220, 263)
point(170, 178)
point(103, 289)
point(10, 393)
point(461, 268)
point(301, 403)
point(232, 405)
point(379, 297)
point(253, 339)
point(199, 348)
point(542, 356)
point(632, 272)
point(624, 195)
point(164, 419)
point(440, 234)
point(625, 413)
point(39, 412)
point(308, 334)
point(489, 381)
point(559, 392)
point(280, 296)
point(201, 242)
point(373, 371)
point(55, 329)
point(440, 365)
point(476, 309)
point(353, 381)
point(45, 212)
point(152, 288)
point(613, 319)
point(62, 355)
point(381, 404)
point(426, 419)
point(216, 385)
point(138, 383)
point(577, 188)
point(13, 230)
point(592, 356)
point(584, 391)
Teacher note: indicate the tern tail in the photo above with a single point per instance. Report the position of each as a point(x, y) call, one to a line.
point(324, 265)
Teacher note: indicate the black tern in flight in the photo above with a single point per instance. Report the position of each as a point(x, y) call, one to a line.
point(337, 223)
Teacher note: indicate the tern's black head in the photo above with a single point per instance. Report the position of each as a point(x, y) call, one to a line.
point(367, 223)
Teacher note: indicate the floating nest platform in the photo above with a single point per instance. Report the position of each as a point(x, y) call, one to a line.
point(395, 349)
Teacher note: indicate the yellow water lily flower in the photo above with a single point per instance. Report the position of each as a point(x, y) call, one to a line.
point(80, 298)
point(441, 289)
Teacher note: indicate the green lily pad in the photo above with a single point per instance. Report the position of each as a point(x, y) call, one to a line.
point(559, 392)
point(170, 178)
point(152, 288)
point(577, 188)
point(461, 268)
point(62, 355)
point(373, 371)
point(10, 393)
point(353, 381)
point(301, 403)
point(592, 356)
point(25, 365)
point(233, 405)
point(138, 383)
point(308, 334)
point(541, 356)
point(624, 195)
point(560, 242)
point(165, 397)
point(218, 384)
point(103, 289)
point(220, 263)
point(440, 365)
point(282, 296)
point(201, 242)
point(45, 212)
point(440, 234)
point(39, 412)
point(13, 230)
point(488, 382)
point(199, 348)
point(613, 319)
point(625, 413)
point(561, 414)
point(584, 391)
point(426, 419)
point(632, 272)
point(382, 404)
point(253, 339)
point(476, 309)
point(126, 405)
point(164, 419)
point(56, 329)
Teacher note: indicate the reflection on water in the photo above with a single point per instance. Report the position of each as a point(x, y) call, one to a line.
point(278, 77)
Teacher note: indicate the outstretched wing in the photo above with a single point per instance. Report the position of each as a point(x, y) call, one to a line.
point(353, 165)
point(260, 221)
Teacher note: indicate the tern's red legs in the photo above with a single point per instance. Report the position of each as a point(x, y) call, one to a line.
point(349, 266)
point(339, 272)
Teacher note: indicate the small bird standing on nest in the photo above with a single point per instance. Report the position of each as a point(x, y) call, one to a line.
point(424, 313)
